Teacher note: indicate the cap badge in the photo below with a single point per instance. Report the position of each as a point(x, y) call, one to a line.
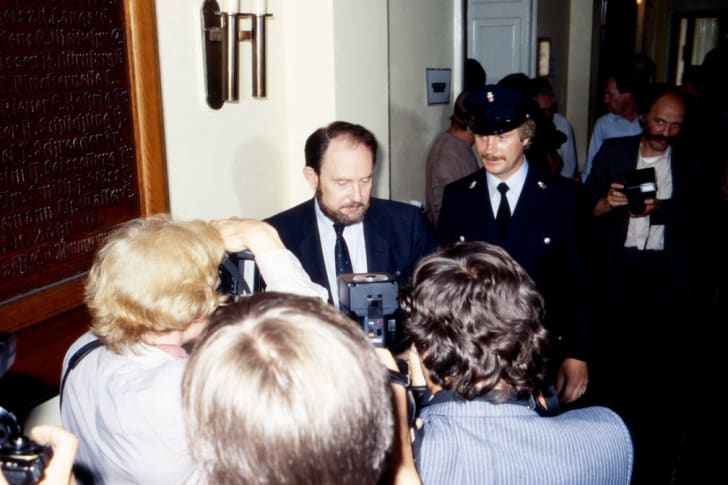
point(490, 96)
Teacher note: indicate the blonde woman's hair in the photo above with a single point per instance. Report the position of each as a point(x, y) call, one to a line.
point(153, 275)
point(285, 389)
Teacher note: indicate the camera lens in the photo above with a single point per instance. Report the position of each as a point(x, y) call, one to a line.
point(9, 426)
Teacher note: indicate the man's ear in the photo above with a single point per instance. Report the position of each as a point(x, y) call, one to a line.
point(311, 176)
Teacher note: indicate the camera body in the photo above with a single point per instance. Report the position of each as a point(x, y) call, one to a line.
point(371, 300)
point(239, 274)
point(639, 185)
point(7, 351)
point(22, 460)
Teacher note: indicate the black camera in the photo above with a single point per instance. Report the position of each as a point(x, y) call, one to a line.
point(22, 460)
point(239, 274)
point(370, 299)
point(639, 185)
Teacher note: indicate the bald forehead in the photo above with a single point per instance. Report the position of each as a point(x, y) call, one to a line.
point(669, 102)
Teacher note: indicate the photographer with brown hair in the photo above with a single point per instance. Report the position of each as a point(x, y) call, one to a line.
point(474, 316)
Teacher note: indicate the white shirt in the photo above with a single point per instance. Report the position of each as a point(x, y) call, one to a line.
point(127, 413)
point(355, 243)
point(515, 186)
point(567, 150)
point(127, 409)
point(641, 234)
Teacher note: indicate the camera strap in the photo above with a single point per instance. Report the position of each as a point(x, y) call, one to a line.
point(238, 285)
point(75, 359)
point(530, 401)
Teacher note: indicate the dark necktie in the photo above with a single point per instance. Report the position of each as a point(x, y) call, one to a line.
point(503, 217)
point(341, 252)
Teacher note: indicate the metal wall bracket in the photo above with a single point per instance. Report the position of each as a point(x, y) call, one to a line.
point(221, 36)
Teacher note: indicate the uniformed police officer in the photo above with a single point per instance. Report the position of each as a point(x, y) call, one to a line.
point(531, 213)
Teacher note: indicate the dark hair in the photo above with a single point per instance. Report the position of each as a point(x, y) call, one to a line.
point(318, 142)
point(626, 79)
point(644, 67)
point(519, 82)
point(475, 315)
point(541, 86)
point(475, 76)
point(695, 75)
point(460, 115)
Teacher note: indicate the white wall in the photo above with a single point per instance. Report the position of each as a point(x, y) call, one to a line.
point(421, 36)
point(327, 60)
point(219, 161)
point(247, 158)
point(362, 61)
point(362, 74)
point(579, 73)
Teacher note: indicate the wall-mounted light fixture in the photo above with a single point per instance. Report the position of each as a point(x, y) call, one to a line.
point(221, 39)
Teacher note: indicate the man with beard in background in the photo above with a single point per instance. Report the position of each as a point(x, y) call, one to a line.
point(379, 236)
point(651, 270)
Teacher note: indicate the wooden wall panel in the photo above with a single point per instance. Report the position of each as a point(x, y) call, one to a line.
point(81, 150)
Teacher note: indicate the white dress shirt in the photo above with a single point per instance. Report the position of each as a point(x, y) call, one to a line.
point(355, 243)
point(515, 186)
point(641, 234)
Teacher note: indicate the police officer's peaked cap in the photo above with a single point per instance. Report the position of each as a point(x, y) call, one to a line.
point(495, 109)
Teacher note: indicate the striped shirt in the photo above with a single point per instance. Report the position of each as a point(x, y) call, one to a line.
point(476, 442)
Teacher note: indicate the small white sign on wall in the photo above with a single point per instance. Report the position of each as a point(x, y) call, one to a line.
point(438, 86)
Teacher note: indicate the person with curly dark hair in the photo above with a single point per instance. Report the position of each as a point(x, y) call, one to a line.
point(474, 316)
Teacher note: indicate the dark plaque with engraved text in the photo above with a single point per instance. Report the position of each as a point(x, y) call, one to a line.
point(81, 150)
point(67, 158)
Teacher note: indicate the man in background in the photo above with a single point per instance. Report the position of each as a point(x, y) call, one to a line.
point(451, 157)
point(543, 94)
point(622, 118)
point(652, 263)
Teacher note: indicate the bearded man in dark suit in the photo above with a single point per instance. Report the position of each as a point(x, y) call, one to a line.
point(381, 236)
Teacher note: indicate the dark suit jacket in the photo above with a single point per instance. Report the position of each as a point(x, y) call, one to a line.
point(687, 215)
point(544, 236)
point(397, 236)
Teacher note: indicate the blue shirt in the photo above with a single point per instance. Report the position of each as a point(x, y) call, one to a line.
point(607, 126)
point(479, 443)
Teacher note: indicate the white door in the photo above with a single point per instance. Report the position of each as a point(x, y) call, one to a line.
point(501, 36)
